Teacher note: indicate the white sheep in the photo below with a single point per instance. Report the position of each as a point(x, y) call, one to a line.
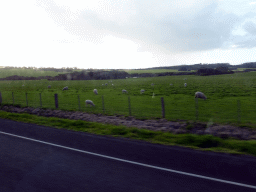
point(95, 91)
point(49, 86)
point(124, 91)
point(89, 102)
point(65, 88)
point(200, 95)
point(185, 84)
point(142, 91)
point(153, 96)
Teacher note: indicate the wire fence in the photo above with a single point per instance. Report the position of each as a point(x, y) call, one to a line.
point(156, 108)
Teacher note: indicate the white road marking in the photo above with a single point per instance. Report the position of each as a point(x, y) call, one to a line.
point(136, 163)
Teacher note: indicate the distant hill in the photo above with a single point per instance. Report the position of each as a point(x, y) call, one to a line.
point(96, 74)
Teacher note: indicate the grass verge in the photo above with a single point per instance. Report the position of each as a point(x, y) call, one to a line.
point(199, 142)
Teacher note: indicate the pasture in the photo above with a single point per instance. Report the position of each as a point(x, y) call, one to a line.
point(26, 72)
point(139, 71)
point(231, 98)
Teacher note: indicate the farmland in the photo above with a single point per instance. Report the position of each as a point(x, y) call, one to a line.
point(26, 72)
point(139, 71)
point(231, 98)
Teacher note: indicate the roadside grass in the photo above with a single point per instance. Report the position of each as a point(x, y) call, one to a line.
point(198, 142)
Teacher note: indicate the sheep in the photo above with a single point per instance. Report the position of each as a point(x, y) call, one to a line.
point(23, 85)
point(95, 91)
point(65, 88)
point(89, 102)
point(153, 96)
point(200, 95)
point(49, 86)
point(124, 91)
point(112, 84)
point(106, 84)
point(185, 84)
point(185, 79)
point(142, 91)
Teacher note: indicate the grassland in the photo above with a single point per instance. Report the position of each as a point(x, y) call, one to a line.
point(26, 72)
point(231, 98)
point(139, 71)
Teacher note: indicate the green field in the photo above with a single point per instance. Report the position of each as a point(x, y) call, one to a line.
point(139, 71)
point(26, 72)
point(231, 98)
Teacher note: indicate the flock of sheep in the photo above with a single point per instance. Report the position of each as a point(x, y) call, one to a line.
point(95, 91)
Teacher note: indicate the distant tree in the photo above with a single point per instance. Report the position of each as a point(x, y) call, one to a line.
point(91, 74)
point(183, 68)
point(218, 71)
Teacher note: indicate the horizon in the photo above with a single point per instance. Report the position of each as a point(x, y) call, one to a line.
point(75, 68)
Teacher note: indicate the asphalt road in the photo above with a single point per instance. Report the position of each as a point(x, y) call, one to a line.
point(38, 158)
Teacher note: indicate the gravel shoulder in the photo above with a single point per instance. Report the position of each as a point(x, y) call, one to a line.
point(222, 131)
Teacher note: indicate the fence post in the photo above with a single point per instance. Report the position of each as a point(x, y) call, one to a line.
point(56, 100)
point(163, 110)
point(79, 106)
point(12, 98)
point(0, 98)
point(40, 99)
point(196, 105)
point(238, 111)
point(129, 103)
point(27, 99)
point(103, 107)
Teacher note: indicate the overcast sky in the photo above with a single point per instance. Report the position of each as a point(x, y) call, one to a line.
point(126, 33)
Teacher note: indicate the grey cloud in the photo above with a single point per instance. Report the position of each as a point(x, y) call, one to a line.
point(206, 29)
point(250, 27)
point(202, 27)
point(249, 39)
point(246, 41)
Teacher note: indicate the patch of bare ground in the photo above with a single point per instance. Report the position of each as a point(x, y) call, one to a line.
point(222, 131)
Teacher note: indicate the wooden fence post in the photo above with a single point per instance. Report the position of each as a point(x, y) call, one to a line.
point(79, 106)
point(27, 99)
point(196, 105)
point(238, 111)
point(56, 100)
point(163, 109)
point(12, 98)
point(103, 107)
point(0, 98)
point(40, 99)
point(129, 103)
